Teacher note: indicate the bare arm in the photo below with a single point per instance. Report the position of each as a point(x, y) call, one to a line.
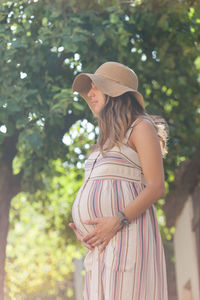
point(146, 142)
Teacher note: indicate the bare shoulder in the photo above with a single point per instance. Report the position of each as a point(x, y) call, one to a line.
point(146, 141)
point(142, 124)
point(143, 134)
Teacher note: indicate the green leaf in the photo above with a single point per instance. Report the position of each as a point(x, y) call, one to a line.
point(78, 106)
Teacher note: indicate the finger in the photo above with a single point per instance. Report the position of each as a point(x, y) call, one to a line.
point(102, 246)
point(97, 243)
point(72, 225)
point(93, 221)
point(89, 236)
point(88, 246)
point(93, 240)
point(76, 230)
point(79, 236)
point(77, 233)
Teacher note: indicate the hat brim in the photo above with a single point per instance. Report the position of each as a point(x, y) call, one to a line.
point(82, 85)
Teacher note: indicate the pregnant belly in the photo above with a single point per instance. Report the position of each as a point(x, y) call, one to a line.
point(101, 198)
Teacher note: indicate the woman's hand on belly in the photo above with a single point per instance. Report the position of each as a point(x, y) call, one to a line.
point(80, 237)
point(104, 231)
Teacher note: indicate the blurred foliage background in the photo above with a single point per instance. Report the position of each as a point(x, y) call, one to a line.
point(46, 131)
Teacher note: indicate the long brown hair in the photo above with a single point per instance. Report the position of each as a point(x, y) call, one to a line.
point(115, 118)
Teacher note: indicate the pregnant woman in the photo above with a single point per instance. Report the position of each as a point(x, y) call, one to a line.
point(113, 212)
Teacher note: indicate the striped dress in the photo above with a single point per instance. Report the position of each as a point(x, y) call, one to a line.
point(132, 266)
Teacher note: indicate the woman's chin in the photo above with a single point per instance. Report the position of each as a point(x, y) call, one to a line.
point(95, 113)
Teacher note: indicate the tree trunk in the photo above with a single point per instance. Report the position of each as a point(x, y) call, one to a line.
point(4, 225)
point(10, 185)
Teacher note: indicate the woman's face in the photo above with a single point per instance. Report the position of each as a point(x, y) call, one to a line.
point(97, 99)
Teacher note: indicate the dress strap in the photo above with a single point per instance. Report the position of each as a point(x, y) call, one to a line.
point(139, 119)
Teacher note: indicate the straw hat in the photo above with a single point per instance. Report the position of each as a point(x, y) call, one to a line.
point(112, 78)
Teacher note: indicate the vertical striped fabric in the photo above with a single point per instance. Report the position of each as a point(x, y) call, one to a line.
point(132, 267)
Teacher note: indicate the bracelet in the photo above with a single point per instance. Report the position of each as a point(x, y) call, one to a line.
point(123, 219)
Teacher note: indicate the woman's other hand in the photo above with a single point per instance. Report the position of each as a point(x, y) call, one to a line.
point(104, 230)
point(80, 237)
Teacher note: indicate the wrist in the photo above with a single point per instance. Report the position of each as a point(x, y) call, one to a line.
point(118, 224)
point(123, 218)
